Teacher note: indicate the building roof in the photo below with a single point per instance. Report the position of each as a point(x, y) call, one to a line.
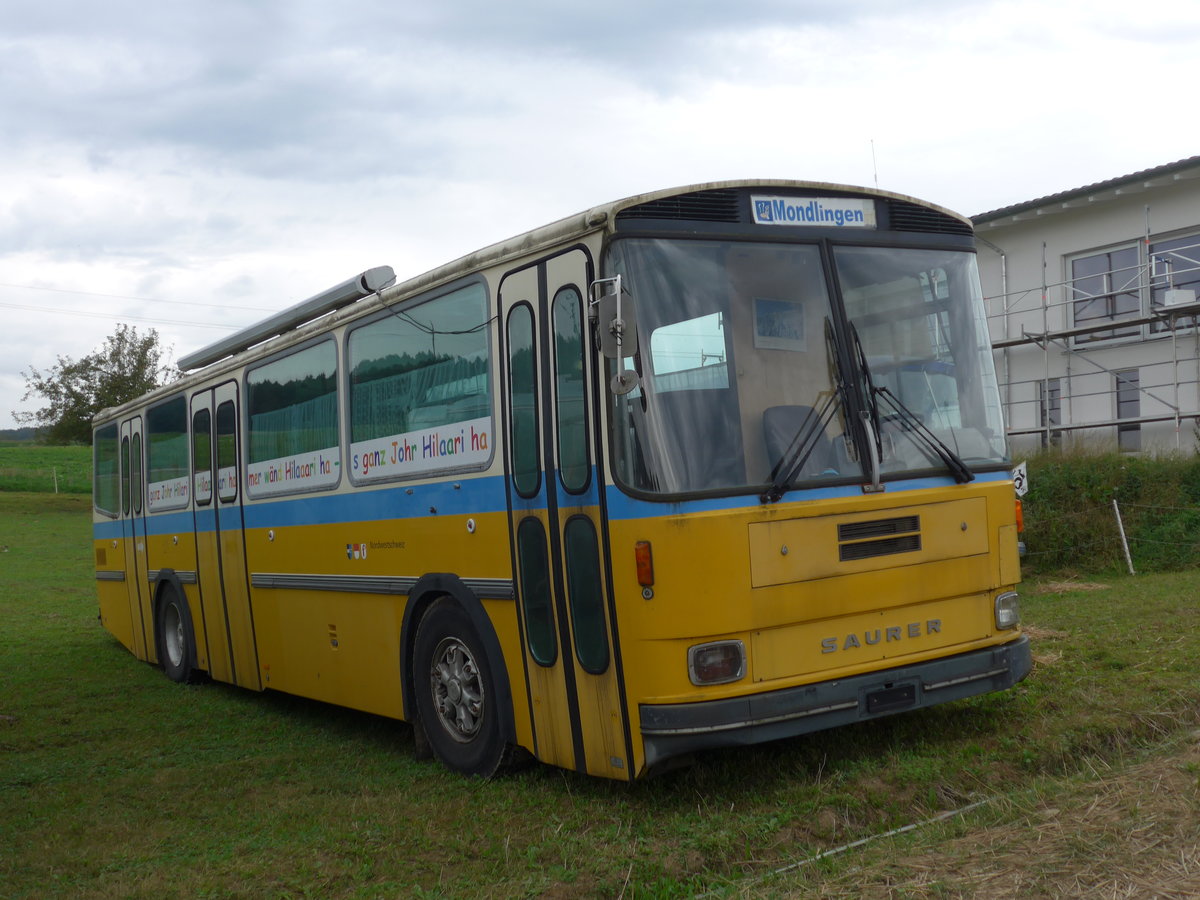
point(1101, 190)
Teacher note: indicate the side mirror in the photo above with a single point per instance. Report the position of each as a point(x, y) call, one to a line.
point(616, 316)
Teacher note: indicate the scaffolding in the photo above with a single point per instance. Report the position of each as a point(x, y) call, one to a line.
point(1065, 370)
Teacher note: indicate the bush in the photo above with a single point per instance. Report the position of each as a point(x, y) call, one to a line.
point(1070, 524)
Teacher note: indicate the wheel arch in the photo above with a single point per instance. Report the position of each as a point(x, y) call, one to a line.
point(169, 580)
point(428, 589)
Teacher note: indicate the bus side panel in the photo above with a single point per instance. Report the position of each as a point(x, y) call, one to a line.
point(170, 546)
point(340, 647)
point(503, 616)
point(337, 647)
point(111, 591)
point(344, 646)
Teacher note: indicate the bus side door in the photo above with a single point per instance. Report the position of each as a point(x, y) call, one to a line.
point(569, 639)
point(221, 545)
point(214, 616)
point(133, 538)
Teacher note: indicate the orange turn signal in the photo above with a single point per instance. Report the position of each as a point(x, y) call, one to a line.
point(645, 563)
point(1020, 518)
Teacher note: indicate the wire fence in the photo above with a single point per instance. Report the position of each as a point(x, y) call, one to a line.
point(48, 480)
point(1105, 535)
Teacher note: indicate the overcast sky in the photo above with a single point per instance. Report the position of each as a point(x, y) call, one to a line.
point(194, 165)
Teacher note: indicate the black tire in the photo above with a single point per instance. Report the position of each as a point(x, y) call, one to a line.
point(176, 640)
point(455, 692)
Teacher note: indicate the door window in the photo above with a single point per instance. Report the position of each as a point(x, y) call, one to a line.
point(568, 388)
point(522, 386)
point(534, 562)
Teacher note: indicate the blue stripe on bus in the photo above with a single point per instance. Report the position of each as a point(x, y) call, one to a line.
point(475, 497)
point(622, 506)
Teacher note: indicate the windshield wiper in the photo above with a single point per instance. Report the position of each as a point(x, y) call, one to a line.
point(799, 449)
point(953, 461)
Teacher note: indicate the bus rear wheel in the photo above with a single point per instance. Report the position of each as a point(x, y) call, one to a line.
point(455, 695)
point(176, 645)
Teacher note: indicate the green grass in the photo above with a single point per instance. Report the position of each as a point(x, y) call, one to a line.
point(115, 782)
point(39, 467)
point(1070, 524)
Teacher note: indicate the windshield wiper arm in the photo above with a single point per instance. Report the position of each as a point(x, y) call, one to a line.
point(804, 443)
point(953, 461)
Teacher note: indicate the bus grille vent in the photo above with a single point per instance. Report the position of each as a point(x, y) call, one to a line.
point(910, 217)
point(880, 537)
point(701, 206)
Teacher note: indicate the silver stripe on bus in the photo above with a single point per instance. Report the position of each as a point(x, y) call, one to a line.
point(747, 723)
point(182, 577)
point(492, 588)
point(108, 575)
point(977, 677)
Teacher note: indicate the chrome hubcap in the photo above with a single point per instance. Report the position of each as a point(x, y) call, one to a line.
point(457, 689)
point(173, 634)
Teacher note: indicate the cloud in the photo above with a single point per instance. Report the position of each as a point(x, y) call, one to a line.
point(250, 154)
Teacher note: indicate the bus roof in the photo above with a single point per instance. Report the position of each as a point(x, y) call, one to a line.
point(271, 333)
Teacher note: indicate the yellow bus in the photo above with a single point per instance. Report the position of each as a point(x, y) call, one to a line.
point(700, 468)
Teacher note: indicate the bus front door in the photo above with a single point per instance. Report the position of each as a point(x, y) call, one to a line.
point(569, 631)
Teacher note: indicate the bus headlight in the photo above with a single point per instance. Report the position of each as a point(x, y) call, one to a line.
point(717, 663)
point(1008, 610)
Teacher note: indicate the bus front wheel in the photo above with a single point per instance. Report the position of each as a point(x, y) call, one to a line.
point(455, 695)
point(176, 646)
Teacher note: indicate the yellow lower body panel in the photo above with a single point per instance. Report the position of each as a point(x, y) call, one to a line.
point(864, 640)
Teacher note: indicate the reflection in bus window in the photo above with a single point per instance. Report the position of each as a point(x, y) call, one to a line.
point(106, 471)
point(421, 367)
point(293, 422)
point(167, 454)
point(732, 371)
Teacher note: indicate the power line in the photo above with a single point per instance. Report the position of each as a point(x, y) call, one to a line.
point(31, 287)
point(114, 316)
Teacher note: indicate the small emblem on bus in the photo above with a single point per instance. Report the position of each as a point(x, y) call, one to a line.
point(356, 551)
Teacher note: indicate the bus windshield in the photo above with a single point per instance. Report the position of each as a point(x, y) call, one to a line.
point(740, 384)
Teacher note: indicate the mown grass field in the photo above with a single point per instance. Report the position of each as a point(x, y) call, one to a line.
point(38, 467)
point(115, 782)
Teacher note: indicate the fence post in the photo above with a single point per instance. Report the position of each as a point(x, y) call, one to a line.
point(55, 471)
point(1124, 542)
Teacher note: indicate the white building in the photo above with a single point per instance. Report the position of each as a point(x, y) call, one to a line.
point(1092, 305)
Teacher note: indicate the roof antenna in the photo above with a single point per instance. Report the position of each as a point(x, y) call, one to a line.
point(874, 164)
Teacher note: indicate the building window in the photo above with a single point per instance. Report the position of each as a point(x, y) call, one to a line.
point(1105, 288)
point(1050, 410)
point(1174, 273)
point(1129, 406)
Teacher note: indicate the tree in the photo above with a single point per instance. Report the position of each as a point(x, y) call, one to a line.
point(127, 366)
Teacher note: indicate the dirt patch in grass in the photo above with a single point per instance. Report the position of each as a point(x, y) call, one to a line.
point(1132, 832)
point(1063, 587)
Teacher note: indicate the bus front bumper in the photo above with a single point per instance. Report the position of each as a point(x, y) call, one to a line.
point(672, 729)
